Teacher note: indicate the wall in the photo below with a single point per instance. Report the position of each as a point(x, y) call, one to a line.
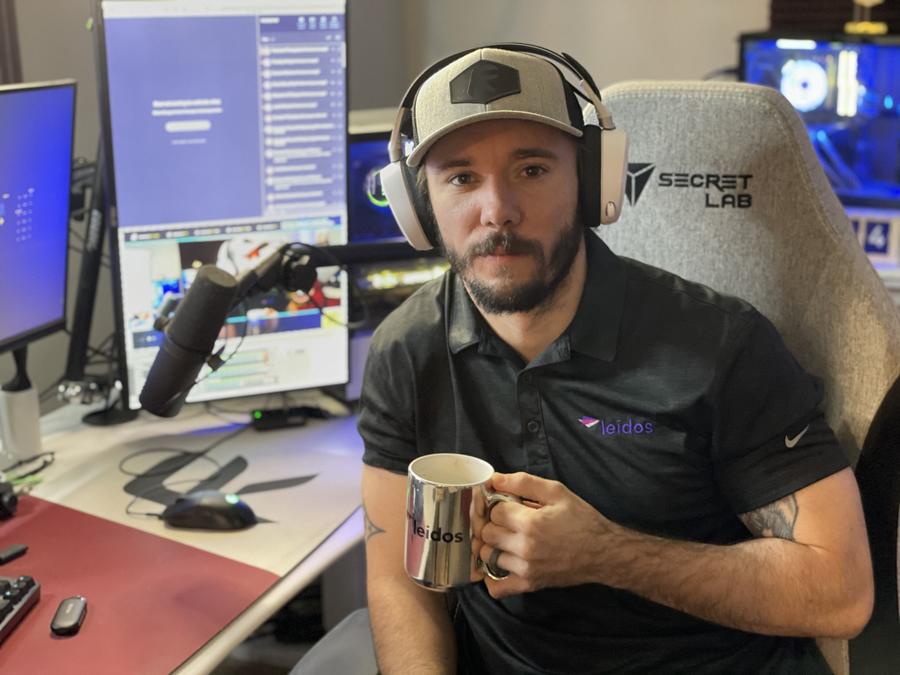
point(614, 39)
point(390, 41)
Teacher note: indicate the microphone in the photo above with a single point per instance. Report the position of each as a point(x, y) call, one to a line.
point(188, 341)
point(191, 334)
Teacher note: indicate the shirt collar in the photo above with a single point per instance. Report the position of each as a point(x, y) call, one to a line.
point(594, 330)
point(463, 320)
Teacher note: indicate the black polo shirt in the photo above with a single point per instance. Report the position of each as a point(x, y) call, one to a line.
point(665, 405)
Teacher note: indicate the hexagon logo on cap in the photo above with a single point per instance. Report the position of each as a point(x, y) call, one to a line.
point(484, 82)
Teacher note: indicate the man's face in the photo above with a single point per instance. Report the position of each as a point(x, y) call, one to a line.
point(505, 194)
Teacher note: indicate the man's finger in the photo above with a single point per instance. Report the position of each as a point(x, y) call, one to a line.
point(511, 516)
point(500, 537)
point(504, 588)
point(527, 486)
point(505, 560)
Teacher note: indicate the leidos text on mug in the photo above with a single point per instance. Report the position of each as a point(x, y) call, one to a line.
point(435, 535)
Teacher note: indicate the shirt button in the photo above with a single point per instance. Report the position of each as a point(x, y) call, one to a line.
point(533, 426)
point(526, 379)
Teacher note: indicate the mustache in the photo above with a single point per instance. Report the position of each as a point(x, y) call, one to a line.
point(507, 243)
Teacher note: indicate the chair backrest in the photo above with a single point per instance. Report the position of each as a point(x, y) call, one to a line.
point(725, 189)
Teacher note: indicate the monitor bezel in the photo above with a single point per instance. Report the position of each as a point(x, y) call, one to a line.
point(23, 339)
point(111, 214)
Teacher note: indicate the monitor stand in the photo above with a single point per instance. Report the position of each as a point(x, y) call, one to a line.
point(111, 416)
point(20, 415)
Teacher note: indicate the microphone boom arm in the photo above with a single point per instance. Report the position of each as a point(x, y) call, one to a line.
point(289, 267)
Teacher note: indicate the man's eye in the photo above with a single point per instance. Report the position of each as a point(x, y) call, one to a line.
point(461, 179)
point(534, 171)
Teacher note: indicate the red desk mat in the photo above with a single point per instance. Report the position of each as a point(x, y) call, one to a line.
point(152, 602)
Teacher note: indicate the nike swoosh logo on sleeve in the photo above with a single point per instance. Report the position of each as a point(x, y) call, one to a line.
point(791, 442)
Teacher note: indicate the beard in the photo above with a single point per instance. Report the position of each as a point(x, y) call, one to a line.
point(536, 292)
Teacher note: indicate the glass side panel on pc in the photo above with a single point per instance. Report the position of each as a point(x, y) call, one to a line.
point(847, 91)
point(228, 132)
point(36, 130)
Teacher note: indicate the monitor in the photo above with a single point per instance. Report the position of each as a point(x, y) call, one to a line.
point(387, 269)
point(227, 125)
point(36, 135)
point(371, 220)
point(847, 91)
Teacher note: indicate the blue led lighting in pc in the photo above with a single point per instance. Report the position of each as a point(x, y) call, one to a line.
point(845, 89)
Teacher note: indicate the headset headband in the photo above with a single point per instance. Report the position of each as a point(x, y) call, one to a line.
point(589, 90)
point(602, 160)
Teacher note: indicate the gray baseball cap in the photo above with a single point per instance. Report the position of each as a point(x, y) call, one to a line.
point(487, 84)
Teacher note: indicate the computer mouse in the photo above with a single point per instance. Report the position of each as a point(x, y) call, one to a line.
point(209, 510)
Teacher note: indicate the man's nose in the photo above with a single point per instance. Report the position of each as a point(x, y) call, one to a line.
point(499, 204)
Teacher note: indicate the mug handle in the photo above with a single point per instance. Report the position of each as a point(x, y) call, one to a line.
point(492, 569)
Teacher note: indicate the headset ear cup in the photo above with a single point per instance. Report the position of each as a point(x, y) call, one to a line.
point(613, 170)
point(399, 186)
point(589, 178)
point(420, 204)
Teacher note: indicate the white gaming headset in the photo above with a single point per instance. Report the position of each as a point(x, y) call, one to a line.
point(604, 155)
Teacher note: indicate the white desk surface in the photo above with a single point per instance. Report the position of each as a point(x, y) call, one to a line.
point(303, 528)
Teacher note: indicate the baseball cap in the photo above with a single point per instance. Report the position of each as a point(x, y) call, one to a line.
point(490, 83)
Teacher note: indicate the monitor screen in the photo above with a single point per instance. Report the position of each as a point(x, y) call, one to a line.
point(371, 220)
point(847, 90)
point(228, 128)
point(36, 130)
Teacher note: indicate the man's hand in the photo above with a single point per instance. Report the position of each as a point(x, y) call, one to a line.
point(550, 541)
point(812, 579)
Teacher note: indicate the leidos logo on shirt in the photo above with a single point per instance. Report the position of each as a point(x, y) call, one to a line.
point(434, 535)
point(618, 428)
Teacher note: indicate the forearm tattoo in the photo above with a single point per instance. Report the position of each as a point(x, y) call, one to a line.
point(774, 520)
point(371, 528)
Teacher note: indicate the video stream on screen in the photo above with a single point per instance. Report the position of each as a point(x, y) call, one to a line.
point(228, 143)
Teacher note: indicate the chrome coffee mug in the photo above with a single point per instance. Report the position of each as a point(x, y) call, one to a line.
point(445, 494)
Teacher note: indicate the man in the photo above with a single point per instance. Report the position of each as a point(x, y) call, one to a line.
point(688, 509)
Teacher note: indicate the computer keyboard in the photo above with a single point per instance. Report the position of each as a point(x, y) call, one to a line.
point(17, 596)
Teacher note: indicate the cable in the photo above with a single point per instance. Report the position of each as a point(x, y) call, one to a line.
point(166, 486)
point(50, 388)
point(195, 453)
point(214, 410)
point(350, 325)
point(98, 350)
point(48, 458)
point(146, 451)
point(221, 362)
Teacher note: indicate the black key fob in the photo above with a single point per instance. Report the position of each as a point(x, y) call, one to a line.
point(69, 616)
point(12, 552)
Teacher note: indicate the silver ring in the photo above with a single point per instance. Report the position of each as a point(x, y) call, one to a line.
point(492, 569)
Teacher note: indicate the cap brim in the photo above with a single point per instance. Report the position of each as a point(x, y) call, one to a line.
point(418, 154)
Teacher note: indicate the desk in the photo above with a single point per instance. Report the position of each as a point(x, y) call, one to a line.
point(160, 599)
